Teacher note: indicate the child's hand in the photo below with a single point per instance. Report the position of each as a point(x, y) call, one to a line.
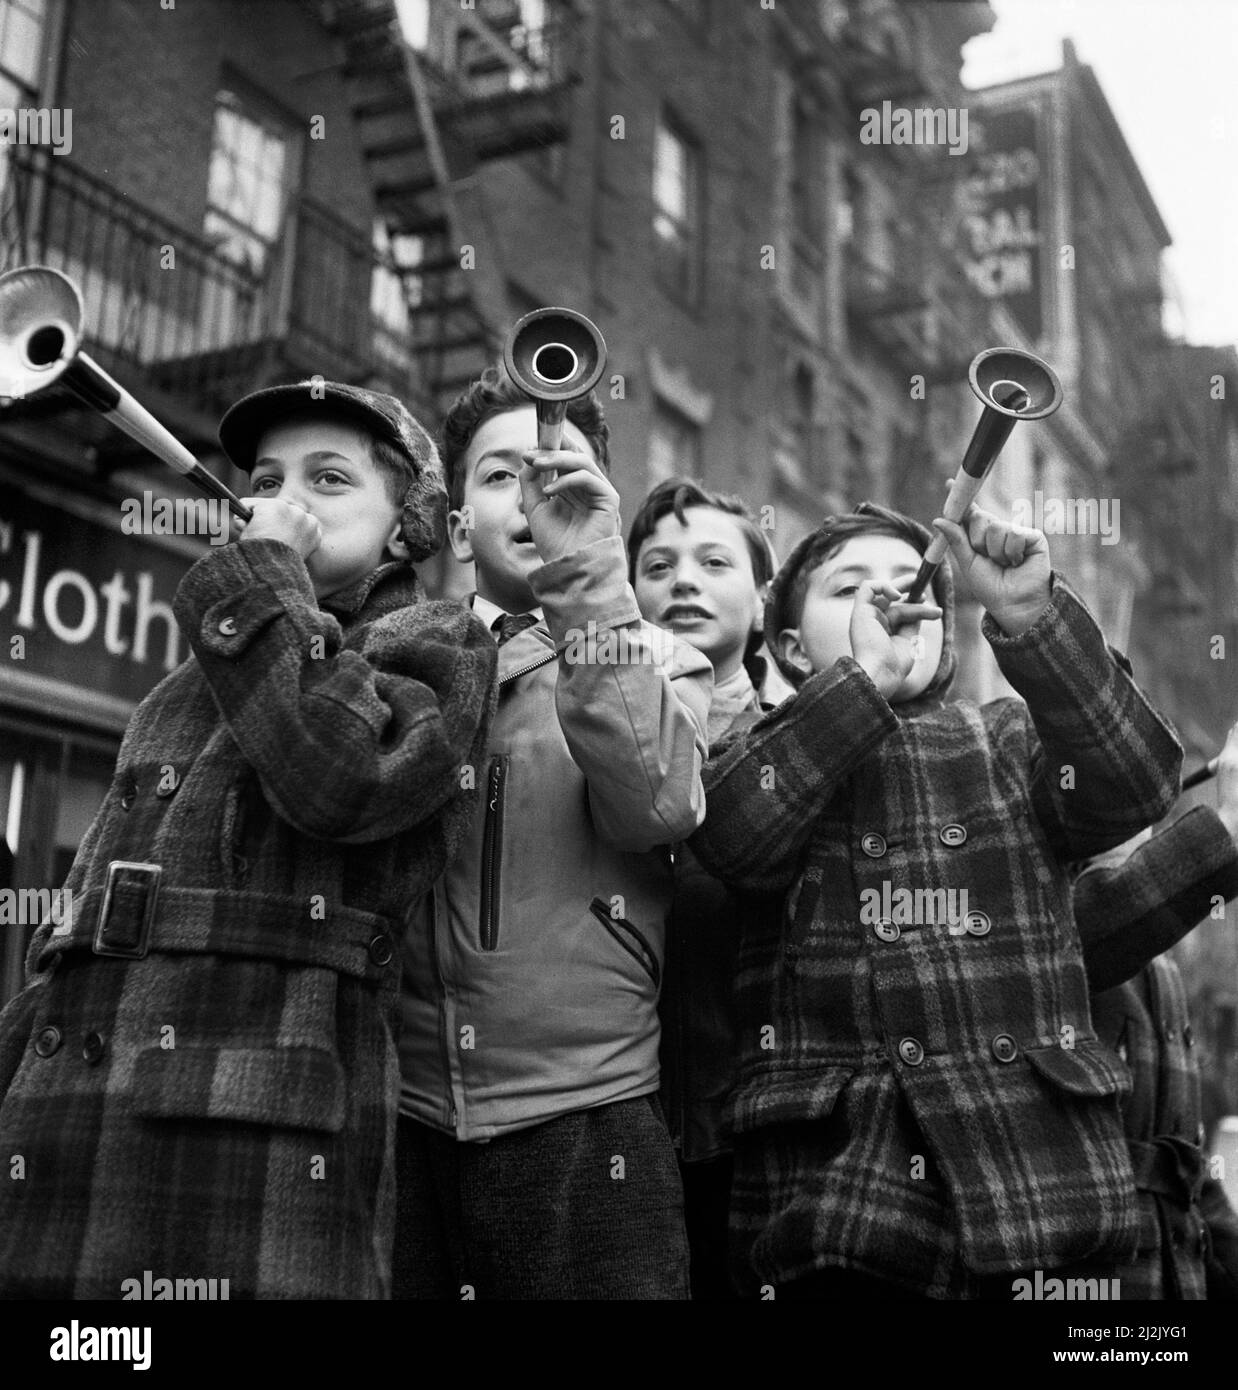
point(571, 511)
point(1227, 783)
point(277, 520)
point(885, 634)
point(1006, 566)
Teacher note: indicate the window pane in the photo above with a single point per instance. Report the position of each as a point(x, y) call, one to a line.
point(247, 183)
point(674, 445)
point(670, 177)
point(21, 45)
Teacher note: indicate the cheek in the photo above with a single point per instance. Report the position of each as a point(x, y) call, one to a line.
point(646, 591)
point(828, 636)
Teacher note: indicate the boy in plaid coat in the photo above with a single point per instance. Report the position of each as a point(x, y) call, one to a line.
point(1131, 904)
point(922, 1105)
point(200, 1078)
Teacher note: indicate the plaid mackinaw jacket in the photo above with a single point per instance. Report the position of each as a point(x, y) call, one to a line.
point(223, 1106)
point(1128, 911)
point(927, 1103)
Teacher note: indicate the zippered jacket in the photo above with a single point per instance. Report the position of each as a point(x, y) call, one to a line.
point(531, 979)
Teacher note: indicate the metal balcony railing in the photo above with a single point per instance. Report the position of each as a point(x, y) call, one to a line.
point(164, 301)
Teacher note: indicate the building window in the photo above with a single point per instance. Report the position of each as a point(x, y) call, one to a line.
point(250, 183)
point(21, 50)
point(803, 412)
point(395, 291)
point(21, 53)
point(676, 210)
point(805, 176)
point(674, 445)
point(414, 20)
point(857, 416)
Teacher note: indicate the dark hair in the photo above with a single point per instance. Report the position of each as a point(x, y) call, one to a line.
point(677, 495)
point(867, 520)
point(495, 393)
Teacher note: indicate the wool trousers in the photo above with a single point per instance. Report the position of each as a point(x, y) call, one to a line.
point(585, 1206)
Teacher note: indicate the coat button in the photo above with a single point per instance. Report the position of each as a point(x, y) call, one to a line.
point(128, 795)
point(380, 950)
point(1188, 1036)
point(47, 1042)
point(1005, 1049)
point(228, 627)
point(978, 924)
point(169, 780)
point(92, 1048)
point(1170, 1032)
point(911, 1052)
point(886, 930)
point(873, 845)
point(952, 835)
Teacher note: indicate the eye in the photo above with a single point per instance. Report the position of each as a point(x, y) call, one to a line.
point(259, 485)
point(719, 562)
point(655, 568)
point(846, 590)
point(500, 475)
point(333, 477)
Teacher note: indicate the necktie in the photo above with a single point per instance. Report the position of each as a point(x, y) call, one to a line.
point(510, 624)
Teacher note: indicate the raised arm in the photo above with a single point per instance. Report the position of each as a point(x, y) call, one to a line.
point(632, 700)
point(767, 784)
point(349, 744)
point(1131, 912)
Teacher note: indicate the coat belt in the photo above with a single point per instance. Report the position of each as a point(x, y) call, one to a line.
point(1167, 1166)
point(254, 925)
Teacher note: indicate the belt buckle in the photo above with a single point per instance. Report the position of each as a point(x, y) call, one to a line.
point(131, 889)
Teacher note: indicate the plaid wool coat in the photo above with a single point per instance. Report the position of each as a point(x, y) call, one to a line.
point(1128, 911)
point(224, 1108)
point(926, 1102)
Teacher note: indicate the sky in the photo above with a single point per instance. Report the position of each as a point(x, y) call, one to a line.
point(1169, 69)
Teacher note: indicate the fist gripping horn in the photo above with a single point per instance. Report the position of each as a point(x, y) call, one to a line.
point(1012, 386)
point(554, 355)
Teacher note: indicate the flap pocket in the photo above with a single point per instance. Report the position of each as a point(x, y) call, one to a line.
point(1087, 1069)
point(762, 1100)
point(292, 1087)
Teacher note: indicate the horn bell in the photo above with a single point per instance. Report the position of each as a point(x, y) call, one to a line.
point(555, 354)
point(1015, 383)
point(40, 329)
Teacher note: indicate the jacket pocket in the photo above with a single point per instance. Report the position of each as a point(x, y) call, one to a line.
point(290, 1087)
point(761, 1101)
point(631, 938)
point(492, 853)
point(1087, 1069)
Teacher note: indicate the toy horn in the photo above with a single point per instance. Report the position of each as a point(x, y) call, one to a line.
point(1012, 386)
point(554, 355)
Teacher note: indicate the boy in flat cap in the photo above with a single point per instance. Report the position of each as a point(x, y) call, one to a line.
point(201, 1074)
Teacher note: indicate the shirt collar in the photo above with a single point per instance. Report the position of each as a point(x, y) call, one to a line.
point(490, 613)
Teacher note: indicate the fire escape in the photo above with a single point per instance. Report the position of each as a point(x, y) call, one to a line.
point(484, 87)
